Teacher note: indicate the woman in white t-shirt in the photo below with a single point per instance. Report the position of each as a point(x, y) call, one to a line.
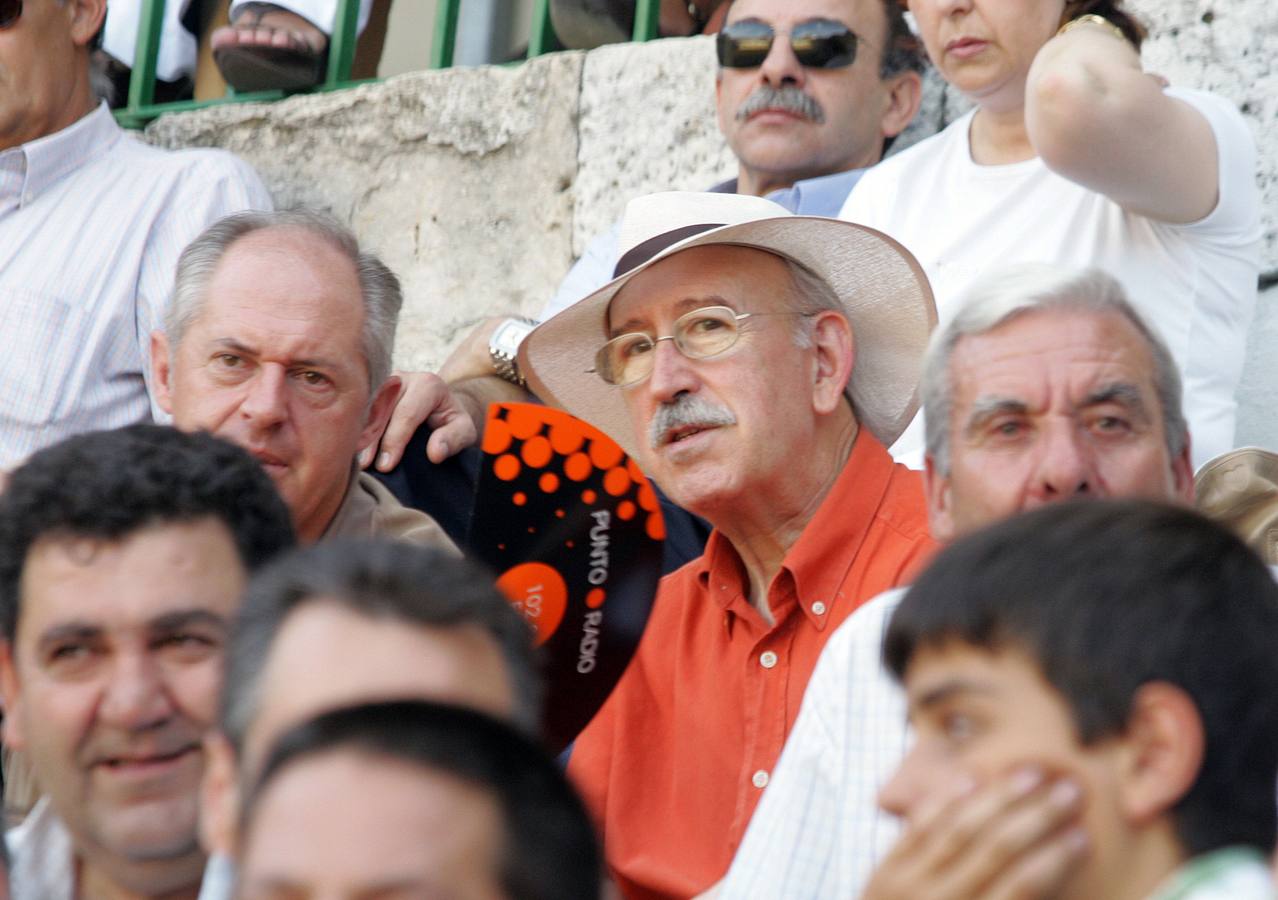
point(1073, 154)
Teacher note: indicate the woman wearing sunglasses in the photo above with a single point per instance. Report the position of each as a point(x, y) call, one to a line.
point(1074, 154)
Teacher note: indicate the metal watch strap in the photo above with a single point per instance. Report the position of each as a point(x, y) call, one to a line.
point(505, 365)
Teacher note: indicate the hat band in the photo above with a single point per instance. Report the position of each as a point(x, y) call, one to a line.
point(642, 252)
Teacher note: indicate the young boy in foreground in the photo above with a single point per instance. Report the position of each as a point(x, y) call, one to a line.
point(1094, 690)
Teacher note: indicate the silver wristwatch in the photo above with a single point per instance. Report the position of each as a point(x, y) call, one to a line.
point(504, 344)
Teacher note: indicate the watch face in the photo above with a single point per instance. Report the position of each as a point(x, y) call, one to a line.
point(509, 335)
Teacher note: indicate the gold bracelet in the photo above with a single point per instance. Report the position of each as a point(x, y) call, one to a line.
point(1093, 19)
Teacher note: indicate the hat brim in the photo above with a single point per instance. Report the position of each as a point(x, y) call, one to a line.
point(882, 288)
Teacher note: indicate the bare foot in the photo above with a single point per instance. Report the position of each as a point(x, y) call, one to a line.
point(275, 27)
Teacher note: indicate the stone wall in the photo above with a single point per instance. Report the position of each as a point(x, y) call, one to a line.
point(479, 186)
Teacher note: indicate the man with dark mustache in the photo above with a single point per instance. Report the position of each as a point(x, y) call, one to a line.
point(723, 361)
point(809, 93)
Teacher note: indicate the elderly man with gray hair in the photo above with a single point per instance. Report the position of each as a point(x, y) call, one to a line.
point(1046, 385)
point(279, 338)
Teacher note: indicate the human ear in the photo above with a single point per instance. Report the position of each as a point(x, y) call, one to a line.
point(379, 411)
point(835, 350)
point(904, 95)
point(219, 796)
point(1182, 470)
point(1163, 747)
point(11, 728)
point(936, 489)
point(161, 371)
point(86, 19)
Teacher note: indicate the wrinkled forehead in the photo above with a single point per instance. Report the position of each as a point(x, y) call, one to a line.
point(788, 12)
point(286, 260)
point(1044, 355)
point(743, 278)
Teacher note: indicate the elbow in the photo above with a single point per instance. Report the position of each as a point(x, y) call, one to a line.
point(1065, 112)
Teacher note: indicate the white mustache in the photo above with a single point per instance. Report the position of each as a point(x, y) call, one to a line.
point(685, 410)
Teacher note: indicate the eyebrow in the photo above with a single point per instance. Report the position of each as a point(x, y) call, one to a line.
point(1121, 392)
point(987, 408)
point(186, 618)
point(688, 304)
point(166, 622)
point(70, 631)
point(245, 350)
point(375, 889)
point(948, 690)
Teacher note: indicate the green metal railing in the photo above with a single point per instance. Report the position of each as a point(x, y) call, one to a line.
point(141, 106)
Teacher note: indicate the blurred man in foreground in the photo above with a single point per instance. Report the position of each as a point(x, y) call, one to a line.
point(349, 622)
point(415, 799)
point(1112, 664)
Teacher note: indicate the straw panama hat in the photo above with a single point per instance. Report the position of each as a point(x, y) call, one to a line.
point(882, 288)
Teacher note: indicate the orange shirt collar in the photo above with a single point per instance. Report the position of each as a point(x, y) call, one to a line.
point(839, 524)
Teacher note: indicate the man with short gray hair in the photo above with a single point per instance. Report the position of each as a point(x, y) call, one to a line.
point(279, 338)
point(1045, 386)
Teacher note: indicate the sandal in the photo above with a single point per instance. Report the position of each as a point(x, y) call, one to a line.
point(266, 67)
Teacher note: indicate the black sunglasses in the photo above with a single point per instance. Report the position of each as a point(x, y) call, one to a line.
point(10, 12)
point(817, 44)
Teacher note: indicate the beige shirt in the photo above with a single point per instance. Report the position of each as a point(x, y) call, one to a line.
point(371, 510)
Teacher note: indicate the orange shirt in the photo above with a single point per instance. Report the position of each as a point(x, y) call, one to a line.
point(675, 761)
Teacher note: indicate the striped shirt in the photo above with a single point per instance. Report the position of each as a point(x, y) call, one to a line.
point(818, 831)
point(91, 225)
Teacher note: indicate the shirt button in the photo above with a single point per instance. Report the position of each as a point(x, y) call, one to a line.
point(759, 779)
point(818, 608)
point(767, 659)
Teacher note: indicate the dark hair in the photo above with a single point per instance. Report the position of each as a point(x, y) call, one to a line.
point(549, 852)
point(108, 484)
point(1131, 27)
point(1107, 596)
point(379, 579)
point(902, 51)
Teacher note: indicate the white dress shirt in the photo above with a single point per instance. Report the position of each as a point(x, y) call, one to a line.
point(42, 861)
point(41, 857)
point(91, 225)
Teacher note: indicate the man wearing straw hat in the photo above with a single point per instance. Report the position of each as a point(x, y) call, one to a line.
point(756, 364)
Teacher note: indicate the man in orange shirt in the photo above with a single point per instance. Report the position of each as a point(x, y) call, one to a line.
point(756, 364)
